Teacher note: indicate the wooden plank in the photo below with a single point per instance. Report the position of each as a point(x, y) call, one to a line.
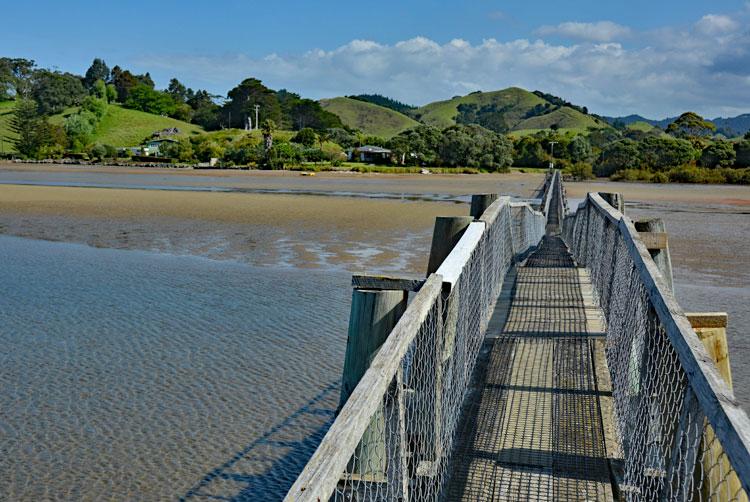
point(707, 319)
point(322, 473)
point(455, 262)
point(654, 240)
point(383, 282)
point(729, 421)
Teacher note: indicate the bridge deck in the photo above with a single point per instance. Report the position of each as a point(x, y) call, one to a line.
point(533, 429)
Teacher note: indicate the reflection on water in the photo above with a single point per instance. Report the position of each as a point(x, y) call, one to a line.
point(128, 375)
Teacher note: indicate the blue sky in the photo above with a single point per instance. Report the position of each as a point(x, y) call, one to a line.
point(655, 58)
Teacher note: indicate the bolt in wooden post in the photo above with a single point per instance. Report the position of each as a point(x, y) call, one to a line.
point(480, 202)
point(448, 231)
point(373, 316)
point(661, 257)
point(615, 200)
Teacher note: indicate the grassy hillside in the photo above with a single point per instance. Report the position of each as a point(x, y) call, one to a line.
point(120, 127)
point(640, 126)
point(443, 113)
point(368, 117)
point(124, 127)
point(515, 105)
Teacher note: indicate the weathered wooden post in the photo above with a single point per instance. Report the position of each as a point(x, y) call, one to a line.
point(615, 200)
point(711, 328)
point(653, 234)
point(373, 315)
point(480, 202)
point(448, 231)
point(427, 437)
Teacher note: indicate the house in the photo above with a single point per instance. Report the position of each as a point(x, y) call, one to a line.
point(372, 154)
point(152, 147)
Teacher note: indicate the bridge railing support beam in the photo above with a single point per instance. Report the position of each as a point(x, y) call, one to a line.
point(615, 200)
point(655, 233)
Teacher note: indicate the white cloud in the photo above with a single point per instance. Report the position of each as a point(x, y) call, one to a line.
point(602, 31)
point(715, 24)
point(678, 71)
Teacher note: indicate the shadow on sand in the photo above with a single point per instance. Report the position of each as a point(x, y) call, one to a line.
point(266, 468)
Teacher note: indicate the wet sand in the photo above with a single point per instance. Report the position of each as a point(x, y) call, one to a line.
point(519, 184)
point(732, 195)
point(301, 231)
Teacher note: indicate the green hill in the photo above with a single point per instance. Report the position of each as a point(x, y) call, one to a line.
point(641, 126)
point(125, 127)
point(368, 117)
point(514, 109)
point(119, 127)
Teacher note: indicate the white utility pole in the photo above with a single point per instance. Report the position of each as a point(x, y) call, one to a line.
point(257, 107)
point(552, 153)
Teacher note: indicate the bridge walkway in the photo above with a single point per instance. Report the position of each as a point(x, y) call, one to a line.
point(533, 428)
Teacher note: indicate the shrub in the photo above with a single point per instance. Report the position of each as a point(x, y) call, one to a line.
point(632, 175)
point(581, 171)
point(693, 174)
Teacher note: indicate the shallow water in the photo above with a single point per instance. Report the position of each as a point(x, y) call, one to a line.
point(135, 376)
point(148, 376)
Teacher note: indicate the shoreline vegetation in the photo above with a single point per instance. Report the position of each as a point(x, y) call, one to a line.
point(117, 117)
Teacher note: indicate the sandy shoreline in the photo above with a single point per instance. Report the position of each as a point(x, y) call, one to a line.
point(263, 229)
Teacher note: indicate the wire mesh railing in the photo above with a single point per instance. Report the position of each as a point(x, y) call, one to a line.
point(393, 438)
point(682, 433)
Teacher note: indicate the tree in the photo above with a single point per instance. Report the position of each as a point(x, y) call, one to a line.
point(742, 150)
point(144, 98)
point(99, 89)
point(341, 137)
point(690, 125)
point(617, 156)
point(177, 90)
point(268, 128)
point(124, 82)
point(97, 71)
point(418, 145)
point(55, 91)
point(305, 137)
point(298, 113)
point(579, 149)
point(475, 146)
point(242, 100)
point(205, 111)
point(718, 154)
point(15, 77)
point(111, 93)
point(32, 130)
point(530, 153)
point(661, 154)
point(80, 128)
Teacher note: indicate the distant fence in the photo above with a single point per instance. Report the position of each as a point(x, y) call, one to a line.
point(393, 438)
point(682, 433)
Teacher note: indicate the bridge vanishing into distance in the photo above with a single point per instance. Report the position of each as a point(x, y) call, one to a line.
point(544, 358)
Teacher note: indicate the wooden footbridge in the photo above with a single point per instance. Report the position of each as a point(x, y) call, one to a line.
point(543, 358)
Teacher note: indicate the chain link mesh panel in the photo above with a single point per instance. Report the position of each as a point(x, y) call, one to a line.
point(669, 450)
point(406, 449)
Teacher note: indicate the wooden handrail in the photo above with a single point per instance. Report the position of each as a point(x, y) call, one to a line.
point(717, 401)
